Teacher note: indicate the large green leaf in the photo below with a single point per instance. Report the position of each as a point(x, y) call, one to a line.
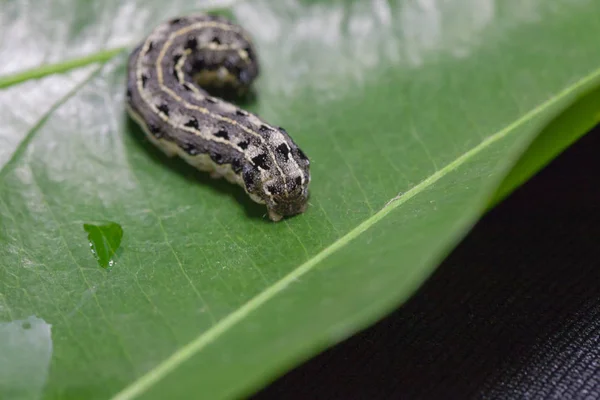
point(412, 113)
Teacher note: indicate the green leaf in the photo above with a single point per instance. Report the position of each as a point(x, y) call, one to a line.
point(412, 113)
point(565, 129)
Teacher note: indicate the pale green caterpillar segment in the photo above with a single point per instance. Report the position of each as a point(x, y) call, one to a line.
point(167, 77)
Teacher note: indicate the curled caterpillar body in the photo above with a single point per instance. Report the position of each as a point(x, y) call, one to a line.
point(167, 81)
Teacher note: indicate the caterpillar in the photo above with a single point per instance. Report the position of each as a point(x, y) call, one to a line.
point(170, 78)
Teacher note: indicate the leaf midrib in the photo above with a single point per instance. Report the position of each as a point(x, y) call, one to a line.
point(143, 383)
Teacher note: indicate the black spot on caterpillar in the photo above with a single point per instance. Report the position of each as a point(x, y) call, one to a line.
point(222, 133)
point(170, 76)
point(192, 123)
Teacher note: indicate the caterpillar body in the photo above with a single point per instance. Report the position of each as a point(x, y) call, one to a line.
point(170, 76)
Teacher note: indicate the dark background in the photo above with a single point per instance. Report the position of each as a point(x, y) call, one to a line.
point(513, 312)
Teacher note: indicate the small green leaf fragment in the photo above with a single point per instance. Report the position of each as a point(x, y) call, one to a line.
point(104, 241)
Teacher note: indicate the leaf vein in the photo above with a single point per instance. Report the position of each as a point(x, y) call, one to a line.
point(57, 68)
point(36, 128)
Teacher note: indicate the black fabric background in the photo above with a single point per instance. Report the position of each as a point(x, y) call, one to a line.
point(513, 313)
